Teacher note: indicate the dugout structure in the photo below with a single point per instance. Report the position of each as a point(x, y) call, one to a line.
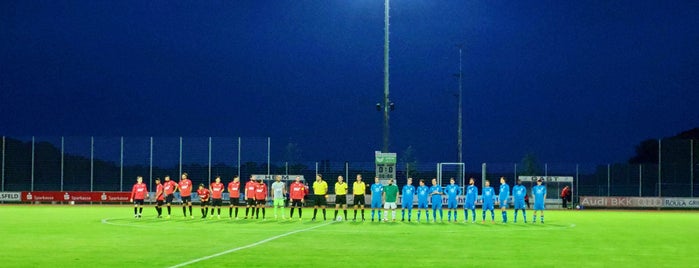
point(287, 179)
point(451, 170)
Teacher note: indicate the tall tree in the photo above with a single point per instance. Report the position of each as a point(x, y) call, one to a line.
point(530, 166)
point(647, 150)
point(409, 158)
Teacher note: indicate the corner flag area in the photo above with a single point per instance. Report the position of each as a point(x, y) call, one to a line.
point(109, 236)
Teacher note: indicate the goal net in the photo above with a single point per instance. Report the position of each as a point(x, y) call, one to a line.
point(446, 171)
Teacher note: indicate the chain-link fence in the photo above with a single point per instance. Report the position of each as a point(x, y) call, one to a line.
point(112, 164)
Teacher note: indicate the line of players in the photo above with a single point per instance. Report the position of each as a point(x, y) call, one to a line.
point(382, 197)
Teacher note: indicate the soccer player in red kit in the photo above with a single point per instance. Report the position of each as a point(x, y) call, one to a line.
point(169, 188)
point(234, 196)
point(204, 196)
point(260, 198)
point(297, 191)
point(185, 187)
point(217, 189)
point(139, 192)
point(250, 188)
point(159, 197)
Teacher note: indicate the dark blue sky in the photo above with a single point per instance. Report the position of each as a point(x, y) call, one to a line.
point(570, 81)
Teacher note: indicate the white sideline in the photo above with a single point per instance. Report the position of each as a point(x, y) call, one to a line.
point(248, 246)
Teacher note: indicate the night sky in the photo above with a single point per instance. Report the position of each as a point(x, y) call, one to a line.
point(569, 81)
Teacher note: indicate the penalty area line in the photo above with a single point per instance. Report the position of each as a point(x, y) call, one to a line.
point(247, 246)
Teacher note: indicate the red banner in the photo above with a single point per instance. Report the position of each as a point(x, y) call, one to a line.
point(104, 197)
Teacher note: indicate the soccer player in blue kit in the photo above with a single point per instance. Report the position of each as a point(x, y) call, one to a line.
point(488, 201)
point(423, 192)
point(504, 195)
point(519, 192)
point(539, 192)
point(470, 202)
point(407, 199)
point(452, 190)
point(436, 194)
point(376, 198)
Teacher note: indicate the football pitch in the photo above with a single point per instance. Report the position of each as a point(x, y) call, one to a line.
point(109, 236)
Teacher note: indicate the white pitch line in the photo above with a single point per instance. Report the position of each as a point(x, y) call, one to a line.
point(248, 246)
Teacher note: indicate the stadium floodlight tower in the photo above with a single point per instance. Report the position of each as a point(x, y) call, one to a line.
point(385, 161)
point(387, 105)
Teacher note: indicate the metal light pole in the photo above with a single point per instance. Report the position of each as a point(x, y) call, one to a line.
point(460, 123)
point(385, 79)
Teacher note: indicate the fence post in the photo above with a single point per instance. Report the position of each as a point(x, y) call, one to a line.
point(150, 171)
point(407, 171)
point(92, 162)
point(2, 186)
point(575, 188)
point(32, 187)
point(209, 160)
point(239, 157)
point(316, 170)
point(660, 167)
point(691, 168)
point(346, 170)
point(180, 157)
point(121, 166)
point(483, 172)
point(640, 179)
point(62, 162)
point(609, 178)
point(269, 141)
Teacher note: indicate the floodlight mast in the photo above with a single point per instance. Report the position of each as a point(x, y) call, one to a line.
point(386, 101)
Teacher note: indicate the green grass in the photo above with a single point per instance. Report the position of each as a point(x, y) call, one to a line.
point(77, 236)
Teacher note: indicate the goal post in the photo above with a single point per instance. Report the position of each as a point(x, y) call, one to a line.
point(451, 170)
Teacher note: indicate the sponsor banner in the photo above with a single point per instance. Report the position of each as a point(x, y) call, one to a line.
point(546, 178)
point(10, 196)
point(385, 158)
point(621, 202)
point(272, 177)
point(75, 196)
point(680, 202)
